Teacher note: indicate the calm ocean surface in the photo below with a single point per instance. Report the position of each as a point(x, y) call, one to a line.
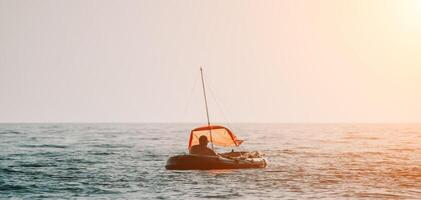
point(126, 161)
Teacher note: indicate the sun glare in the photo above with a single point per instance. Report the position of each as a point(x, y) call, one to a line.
point(409, 14)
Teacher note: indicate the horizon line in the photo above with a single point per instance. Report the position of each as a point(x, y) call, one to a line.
point(134, 122)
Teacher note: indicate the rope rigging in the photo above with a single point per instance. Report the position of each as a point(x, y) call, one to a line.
point(213, 97)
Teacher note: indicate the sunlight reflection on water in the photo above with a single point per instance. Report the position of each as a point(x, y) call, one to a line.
point(127, 161)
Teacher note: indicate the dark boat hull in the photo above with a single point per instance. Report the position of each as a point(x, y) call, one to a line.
point(197, 162)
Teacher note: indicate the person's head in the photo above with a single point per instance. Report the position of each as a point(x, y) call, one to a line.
point(203, 140)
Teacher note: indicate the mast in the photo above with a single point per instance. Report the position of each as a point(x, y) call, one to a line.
point(206, 104)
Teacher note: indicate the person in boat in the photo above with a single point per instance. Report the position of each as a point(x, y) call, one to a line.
point(202, 147)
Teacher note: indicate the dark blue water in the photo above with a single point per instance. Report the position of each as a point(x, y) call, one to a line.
point(110, 161)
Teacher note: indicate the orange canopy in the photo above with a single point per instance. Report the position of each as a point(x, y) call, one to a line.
point(221, 136)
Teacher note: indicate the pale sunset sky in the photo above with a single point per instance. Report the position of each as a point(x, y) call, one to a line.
point(293, 61)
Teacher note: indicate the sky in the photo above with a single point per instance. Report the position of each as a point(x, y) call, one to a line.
point(315, 61)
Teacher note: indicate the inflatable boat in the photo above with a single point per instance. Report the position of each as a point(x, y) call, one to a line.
point(219, 136)
point(224, 161)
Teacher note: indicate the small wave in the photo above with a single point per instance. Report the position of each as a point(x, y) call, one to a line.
point(350, 155)
point(287, 151)
point(47, 154)
point(8, 187)
point(102, 153)
point(276, 171)
point(111, 146)
point(9, 171)
point(7, 132)
point(97, 190)
point(5, 158)
point(377, 195)
point(359, 136)
point(82, 161)
point(43, 146)
point(6, 170)
point(222, 196)
point(404, 149)
point(37, 165)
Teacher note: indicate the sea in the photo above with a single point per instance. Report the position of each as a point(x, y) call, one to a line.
point(127, 161)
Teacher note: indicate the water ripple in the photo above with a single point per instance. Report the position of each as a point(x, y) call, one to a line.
point(126, 161)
